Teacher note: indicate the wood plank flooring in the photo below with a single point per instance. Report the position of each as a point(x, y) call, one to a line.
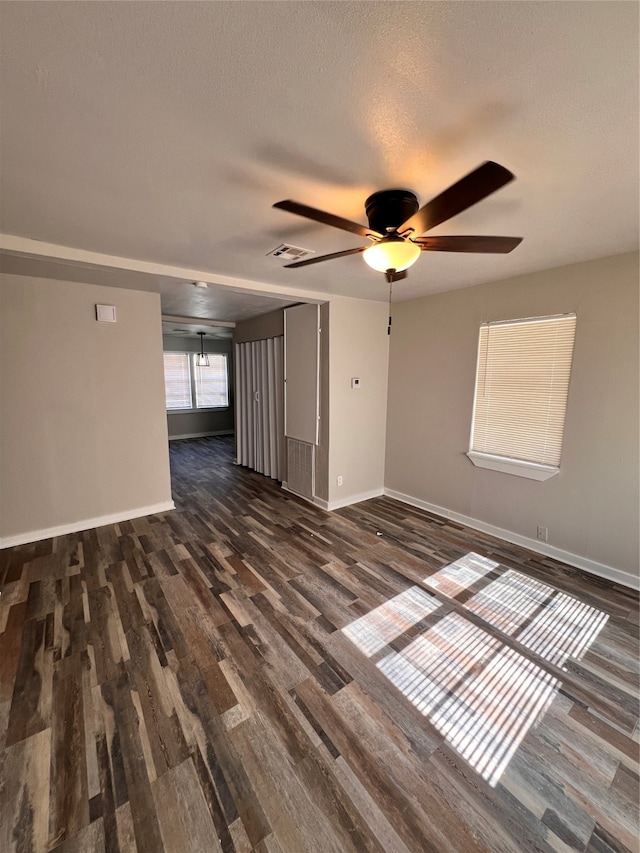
point(250, 673)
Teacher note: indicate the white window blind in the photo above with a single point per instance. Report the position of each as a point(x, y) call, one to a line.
point(522, 383)
point(177, 381)
point(211, 382)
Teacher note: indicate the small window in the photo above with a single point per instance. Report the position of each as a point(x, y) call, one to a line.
point(190, 387)
point(522, 384)
point(177, 380)
point(211, 383)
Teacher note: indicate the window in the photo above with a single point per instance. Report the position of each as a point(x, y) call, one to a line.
point(177, 381)
point(211, 383)
point(186, 382)
point(522, 383)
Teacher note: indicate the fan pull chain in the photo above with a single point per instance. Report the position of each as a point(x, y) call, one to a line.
point(390, 294)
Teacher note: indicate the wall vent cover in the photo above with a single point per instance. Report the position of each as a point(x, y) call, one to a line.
point(300, 467)
point(289, 253)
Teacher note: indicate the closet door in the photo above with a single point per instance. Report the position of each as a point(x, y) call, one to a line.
point(245, 447)
point(302, 365)
point(260, 406)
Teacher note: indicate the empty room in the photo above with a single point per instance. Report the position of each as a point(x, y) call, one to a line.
point(319, 426)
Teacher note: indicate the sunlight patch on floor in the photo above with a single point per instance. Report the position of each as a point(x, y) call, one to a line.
point(550, 623)
point(480, 693)
point(377, 629)
point(464, 573)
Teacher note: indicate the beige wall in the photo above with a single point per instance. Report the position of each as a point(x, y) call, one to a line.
point(83, 429)
point(269, 325)
point(591, 507)
point(358, 347)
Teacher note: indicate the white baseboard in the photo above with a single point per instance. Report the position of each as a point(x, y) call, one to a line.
point(85, 524)
point(331, 505)
point(599, 569)
point(347, 501)
point(201, 434)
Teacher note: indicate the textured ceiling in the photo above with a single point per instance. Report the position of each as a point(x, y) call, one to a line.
point(164, 132)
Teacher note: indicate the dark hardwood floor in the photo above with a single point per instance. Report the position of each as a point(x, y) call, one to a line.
point(250, 673)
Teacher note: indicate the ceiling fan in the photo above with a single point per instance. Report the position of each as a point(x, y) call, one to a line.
point(396, 224)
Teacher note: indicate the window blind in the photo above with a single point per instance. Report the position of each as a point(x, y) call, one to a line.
point(211, 382)
point(522, 383)
point(177, 381)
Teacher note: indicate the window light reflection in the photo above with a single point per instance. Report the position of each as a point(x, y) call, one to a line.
point(509, 601)
point(378, 628)
point(552, 624)
point(482, 695)
point(456, 577)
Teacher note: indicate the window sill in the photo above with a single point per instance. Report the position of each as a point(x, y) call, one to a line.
point(196, 411)
point(518, 467)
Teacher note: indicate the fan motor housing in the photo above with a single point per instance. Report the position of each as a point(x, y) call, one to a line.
point(388, 209)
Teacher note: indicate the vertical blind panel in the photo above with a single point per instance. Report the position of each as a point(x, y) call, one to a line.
point(522, 383)
point(211, 382)
point(177, 381)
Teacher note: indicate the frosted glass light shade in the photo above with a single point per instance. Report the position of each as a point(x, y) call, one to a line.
point(395, 255)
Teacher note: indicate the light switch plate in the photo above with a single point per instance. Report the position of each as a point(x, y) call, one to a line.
point(355, 382)
point(106, 313)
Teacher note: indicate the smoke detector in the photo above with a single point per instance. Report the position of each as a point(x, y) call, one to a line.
point(289, 253)
point(200, 284)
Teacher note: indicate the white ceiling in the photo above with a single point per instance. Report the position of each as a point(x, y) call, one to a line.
point(163, 133)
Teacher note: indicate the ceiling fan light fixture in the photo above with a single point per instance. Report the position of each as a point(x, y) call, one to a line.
point(392, 254)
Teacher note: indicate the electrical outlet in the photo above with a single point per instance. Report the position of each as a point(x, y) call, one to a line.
point(543, 533)
point(339, 479)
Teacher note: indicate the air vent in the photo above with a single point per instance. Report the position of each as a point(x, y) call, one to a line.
point(300, 467)
point(289, 253)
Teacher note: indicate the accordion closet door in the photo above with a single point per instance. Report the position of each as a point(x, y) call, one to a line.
point(260, 406)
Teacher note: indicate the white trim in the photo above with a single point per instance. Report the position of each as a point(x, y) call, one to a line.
point(519, 467)
point(25, 246)
point(201, 434)
point(331, 505)
point(85, 524)
point(601, 570)
point(197, 321)
point(355, 499)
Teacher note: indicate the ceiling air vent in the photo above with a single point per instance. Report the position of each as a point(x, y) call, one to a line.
point(289, 253)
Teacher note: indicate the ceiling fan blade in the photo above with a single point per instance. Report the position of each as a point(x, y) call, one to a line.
point(499, 245)
point(326, 257)
point(325, 218)
point(466, 192)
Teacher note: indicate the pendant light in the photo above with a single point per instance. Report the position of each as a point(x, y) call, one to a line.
point(202, 359)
